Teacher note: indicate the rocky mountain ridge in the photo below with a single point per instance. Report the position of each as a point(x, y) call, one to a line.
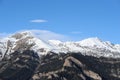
point(27, 65)
point(27, 40)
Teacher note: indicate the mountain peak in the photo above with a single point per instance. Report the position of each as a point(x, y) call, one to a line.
point(92, 42)
point(92, 39)
point(22, 34)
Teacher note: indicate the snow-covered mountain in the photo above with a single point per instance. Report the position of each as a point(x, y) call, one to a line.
point(28, 40)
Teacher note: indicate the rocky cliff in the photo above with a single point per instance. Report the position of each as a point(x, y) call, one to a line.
point(71, 66)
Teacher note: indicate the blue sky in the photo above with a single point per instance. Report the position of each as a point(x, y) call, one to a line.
point(78, 19)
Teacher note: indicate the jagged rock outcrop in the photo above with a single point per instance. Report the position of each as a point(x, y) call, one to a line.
point(74, 66)
point(27, 65)
point(20, 66)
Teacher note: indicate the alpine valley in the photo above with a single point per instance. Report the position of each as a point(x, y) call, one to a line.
point(24, 56)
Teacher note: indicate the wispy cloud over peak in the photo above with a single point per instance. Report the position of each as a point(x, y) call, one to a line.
point(49, 35)
point(42, 34)
point(38, 21)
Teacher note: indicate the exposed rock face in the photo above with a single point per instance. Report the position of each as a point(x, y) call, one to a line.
point(75, 66)
point(20, 66)
point(72, 66)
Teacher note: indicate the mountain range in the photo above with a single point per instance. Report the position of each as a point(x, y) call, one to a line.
point(24, 56)
point(27, 38)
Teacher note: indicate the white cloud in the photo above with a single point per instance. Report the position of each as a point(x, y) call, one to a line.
point(38, 21)
point(43, 35)
point(49, 35)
